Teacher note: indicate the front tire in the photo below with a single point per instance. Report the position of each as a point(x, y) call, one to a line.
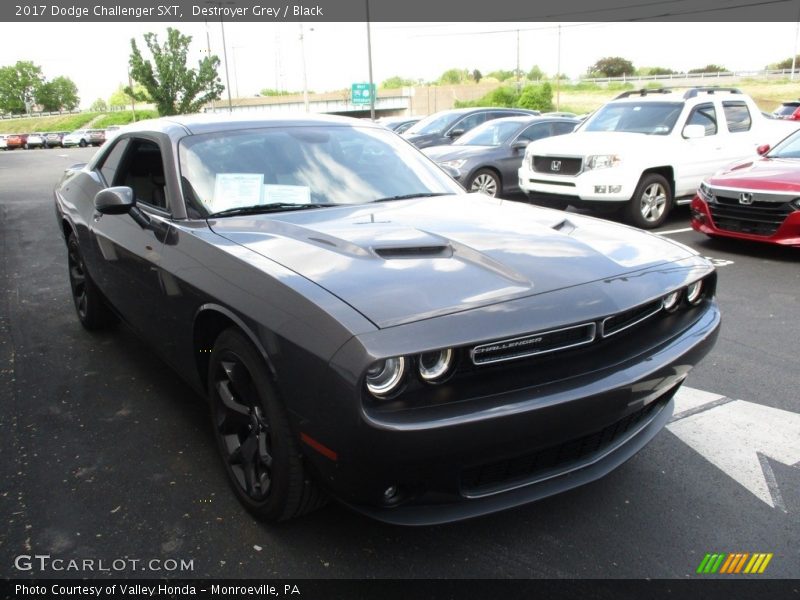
point(651, 202)
point(486, 182)
point(93, 312)
point(82, 144)
point(259, 451)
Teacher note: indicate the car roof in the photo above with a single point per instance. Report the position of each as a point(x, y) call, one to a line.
point(214, 122)
point(675, 95)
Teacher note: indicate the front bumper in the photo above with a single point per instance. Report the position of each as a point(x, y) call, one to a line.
point(787, 234)
point(587, 185)
point(515, 447)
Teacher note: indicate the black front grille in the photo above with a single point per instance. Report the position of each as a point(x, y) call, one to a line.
point(537, 343)
point(629, 318)
point(504, 474)
point(557, 165)
point(758, 218)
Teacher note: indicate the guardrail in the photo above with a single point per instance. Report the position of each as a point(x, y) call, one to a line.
point(76, 111)
point(673, 76)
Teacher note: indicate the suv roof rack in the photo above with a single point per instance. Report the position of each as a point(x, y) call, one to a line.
point(710, 89)
point(643, 92)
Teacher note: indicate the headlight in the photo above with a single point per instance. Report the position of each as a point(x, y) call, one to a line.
point(453, 164)
point(705, 192)
point(694, 293)
point(671, 301)
point(602, 161)
point(385, 376)
point(435, 366)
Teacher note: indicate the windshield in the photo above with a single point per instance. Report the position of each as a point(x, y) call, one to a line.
point(296, 166)
point(788, 148)
point(436, 123)
point(491, 133)
point(785, 110)
point(652, 118)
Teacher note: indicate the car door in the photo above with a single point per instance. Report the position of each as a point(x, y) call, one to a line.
point(699, 157)
point(739, 123)
point(127, 256)
point(463, 125)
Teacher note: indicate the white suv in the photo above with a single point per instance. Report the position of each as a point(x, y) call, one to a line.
point(647, 150)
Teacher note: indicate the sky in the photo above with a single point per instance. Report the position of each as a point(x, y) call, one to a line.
point(264, 55)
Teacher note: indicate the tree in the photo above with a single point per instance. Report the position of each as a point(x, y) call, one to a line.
point(535, 74)
point(99, 105)
point(59, 94)
point(709, 69)
point(18, 86)
point(655, 71)
point(501, 75)
point(121, 98)
point(396, 82)
point(536, 97)
point(454, 76)
point(174, 87)
point(477, 75)
point(611, 66)
point(786, 63)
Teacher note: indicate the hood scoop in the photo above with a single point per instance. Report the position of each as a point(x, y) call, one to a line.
point(398, 252)
point(565, 227)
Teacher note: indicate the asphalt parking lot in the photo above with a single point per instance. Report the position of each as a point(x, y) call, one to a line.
point(108, 455)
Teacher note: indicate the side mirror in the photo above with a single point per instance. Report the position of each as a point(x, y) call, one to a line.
point(119, 201)
point(692, 132)
point(114, 201)
point(763, 149)
point(455, 133)
point(520, 145)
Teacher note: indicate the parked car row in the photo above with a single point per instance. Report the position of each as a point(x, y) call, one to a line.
point(52, 139)
point(643, 153)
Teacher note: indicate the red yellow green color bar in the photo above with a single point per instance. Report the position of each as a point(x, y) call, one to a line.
point(737, 562)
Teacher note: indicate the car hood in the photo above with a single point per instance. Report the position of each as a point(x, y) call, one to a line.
point(403, 261)
point(456, 152)
point(585, 143)
point(768, 174)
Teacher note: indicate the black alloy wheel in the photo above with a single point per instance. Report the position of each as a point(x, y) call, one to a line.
point(93, 312)
point(260, 454)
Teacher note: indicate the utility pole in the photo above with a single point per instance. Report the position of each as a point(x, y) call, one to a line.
point(305, 79)
point(519, 84)
point(133, 105)
point(369, 59)
point(558, 71)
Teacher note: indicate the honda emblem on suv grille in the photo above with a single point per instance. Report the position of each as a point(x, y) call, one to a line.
point(746, 198)
point(555, 165)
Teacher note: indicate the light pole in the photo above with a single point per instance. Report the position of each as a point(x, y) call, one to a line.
point(224, 50)
point(303, 58)
point(369, 59)
point(236, 71)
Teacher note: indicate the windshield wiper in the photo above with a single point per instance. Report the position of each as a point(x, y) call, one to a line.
point(409, 196)
point(256, 209)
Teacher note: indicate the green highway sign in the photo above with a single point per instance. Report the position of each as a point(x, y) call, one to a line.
point(360, 93)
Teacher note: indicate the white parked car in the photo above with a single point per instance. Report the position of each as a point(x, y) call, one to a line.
point(84, 137)
point(3, 142)
point(647, 150)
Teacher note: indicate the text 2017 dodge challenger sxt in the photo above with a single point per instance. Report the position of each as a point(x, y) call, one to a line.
point(363, 329)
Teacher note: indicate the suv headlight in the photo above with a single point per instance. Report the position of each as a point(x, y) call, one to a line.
point(602, 161)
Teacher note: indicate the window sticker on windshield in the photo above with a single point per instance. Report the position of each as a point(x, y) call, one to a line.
point(291, 194)
point(232, 190)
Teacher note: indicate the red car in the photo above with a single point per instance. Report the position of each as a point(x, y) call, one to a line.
point(757, 200)
point(16, 140)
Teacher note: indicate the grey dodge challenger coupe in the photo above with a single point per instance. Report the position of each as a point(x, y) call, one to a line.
point(365, 330)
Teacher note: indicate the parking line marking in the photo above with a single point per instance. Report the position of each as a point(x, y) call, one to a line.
point(674, 231)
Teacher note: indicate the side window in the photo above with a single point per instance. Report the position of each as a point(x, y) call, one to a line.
point(738, 116)
point(111, 162)
point(704, 115)
point(470, 122)
point(536, 131)
point(562, 128)
point(142, 170)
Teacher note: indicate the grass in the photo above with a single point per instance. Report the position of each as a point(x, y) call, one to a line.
point(123, 118)
point(65, 122)
point(585, 98)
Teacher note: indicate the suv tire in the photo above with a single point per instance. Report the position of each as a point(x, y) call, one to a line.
point(651, 202)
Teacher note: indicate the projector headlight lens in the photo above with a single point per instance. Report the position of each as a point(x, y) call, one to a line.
point(435, 366)
point(385, 376)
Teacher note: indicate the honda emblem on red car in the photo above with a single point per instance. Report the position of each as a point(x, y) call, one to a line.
point(746, 198)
